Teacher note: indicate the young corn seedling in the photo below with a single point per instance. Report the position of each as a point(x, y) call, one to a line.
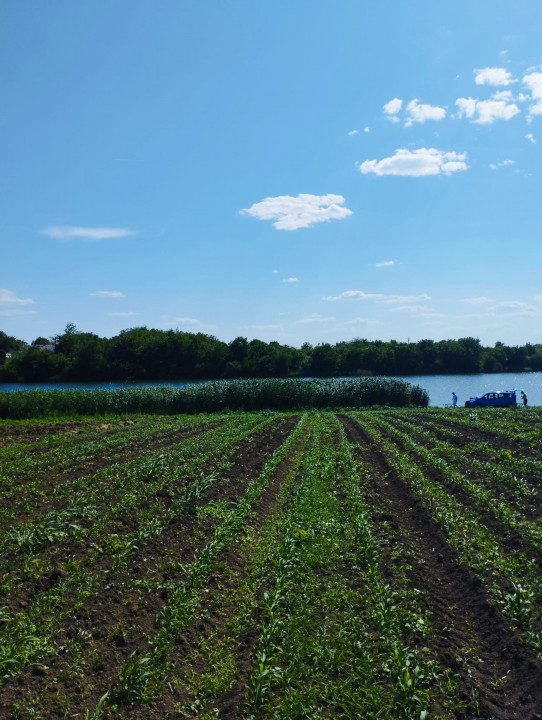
point(516, 604)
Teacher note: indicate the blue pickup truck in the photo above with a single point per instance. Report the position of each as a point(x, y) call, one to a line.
point(499, 398)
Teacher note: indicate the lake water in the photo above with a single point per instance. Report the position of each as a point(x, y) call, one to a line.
point(439, 387)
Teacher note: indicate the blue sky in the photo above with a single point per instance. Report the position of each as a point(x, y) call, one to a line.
point(301, 172)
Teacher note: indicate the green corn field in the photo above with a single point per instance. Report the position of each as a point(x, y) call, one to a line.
point(273, 564)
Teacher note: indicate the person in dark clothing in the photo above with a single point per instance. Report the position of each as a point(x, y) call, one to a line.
point(524, 398)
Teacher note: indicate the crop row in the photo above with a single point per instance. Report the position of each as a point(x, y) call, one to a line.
point(271, 566)
point(77, 556)
point(512, 580)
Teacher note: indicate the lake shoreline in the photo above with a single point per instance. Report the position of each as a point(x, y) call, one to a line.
point(439, 387)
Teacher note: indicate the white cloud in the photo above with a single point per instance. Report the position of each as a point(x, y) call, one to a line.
point(97, 233)
point(393, 106)
point(534, 83)
point(107, 294)
point(391, 109)
point(417, 163)
point(366, 129)
point(504, 163)
point(291, 213)
point(466, 107)
point(315, 318)
point(477, 300)
point(264, 328)
point(514, 307)
point(354, 132)
point(530, 137)
point(16, 311)
point(493, 76)
point(385, 263)
point(419, 113)
point(122, 314)
point(186, 321)
point(504, 95)
point(360, 321)
point(377, 297)
point(487, 111)
point(290, 280)
point(416, 310)
point(173, 321)
point(8, 297)
point(491, 110)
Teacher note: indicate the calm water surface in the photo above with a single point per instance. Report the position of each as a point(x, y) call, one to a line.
point(439, 387)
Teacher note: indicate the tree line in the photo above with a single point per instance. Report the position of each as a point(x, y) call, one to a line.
point(148, 354)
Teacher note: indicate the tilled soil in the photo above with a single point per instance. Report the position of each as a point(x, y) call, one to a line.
point(48, 481)
point(509, 538)
point(115, 621)
point(100, 632)
point(465, 436)
point(503, 672)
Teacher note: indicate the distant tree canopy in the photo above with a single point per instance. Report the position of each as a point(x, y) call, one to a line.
point(146, 354)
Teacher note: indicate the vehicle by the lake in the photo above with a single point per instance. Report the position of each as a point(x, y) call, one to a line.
point(504, 398)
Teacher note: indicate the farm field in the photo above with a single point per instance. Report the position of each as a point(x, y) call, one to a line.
point(351, 564)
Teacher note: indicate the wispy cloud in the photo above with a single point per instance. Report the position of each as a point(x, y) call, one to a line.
point(15, 311)
point(417, 163)
point(477, 300)
point(493, 76)
point(264, 328)
point(419, 113)
point(354, 132)
point(290, 280)
point(531, 138)
point(503, 163)
point(360, 321)
point(9, 298)
point(292, 213)
point(179, 322)
point(170, 321)
point(122, 314)
point(85, 233)
point(513, 308)
point(107, 294)
point(420, 310)
point(385, 263)
point(315, 318)
point(377, 297)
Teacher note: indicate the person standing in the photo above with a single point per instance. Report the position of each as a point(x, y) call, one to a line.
point(524, 398)
point(454, 400)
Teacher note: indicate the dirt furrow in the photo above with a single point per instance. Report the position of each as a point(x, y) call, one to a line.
point(48, 480)
point(116, 620)
point(510, 538)
point(471, 636)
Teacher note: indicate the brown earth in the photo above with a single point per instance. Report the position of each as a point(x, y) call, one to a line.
point(243, 459)
point(512, 540)
point(47, 480)
point(471, 636)
point(503, 672)
point(117, 618)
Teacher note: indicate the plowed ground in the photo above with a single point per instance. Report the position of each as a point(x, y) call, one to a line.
point(94, 633)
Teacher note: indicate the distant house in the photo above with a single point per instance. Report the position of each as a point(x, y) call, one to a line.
point(49, 347)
